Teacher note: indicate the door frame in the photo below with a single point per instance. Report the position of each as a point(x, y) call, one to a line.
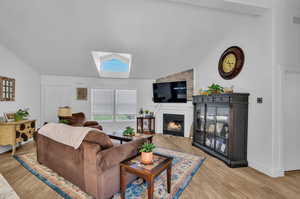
point(284, 71)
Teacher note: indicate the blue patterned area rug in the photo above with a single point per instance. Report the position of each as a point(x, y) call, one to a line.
point(184, 168)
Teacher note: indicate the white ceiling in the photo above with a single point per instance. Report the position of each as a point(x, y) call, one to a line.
point(57, 36)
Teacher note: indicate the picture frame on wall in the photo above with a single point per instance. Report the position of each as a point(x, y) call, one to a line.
point(82, 93)
point(7, 89)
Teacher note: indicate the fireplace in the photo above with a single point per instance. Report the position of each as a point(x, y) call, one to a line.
point(173, 124)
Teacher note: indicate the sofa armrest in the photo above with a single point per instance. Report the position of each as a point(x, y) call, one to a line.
point(115, 155)
point(90, 158)
point(90, 123)
point(93, 124)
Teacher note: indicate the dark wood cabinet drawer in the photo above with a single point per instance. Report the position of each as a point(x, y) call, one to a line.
point(197, 99)
point(225, 99)
point(209, 99)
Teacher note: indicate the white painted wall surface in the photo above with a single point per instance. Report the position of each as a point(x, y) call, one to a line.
point(27, 85)
point(286, 48)
point(61, 90)
point(252, 34)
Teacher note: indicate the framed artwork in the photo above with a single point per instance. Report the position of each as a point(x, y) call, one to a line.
point(82, 93)
point(7, 89)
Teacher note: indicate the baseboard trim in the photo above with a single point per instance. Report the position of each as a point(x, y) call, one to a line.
point(4, 149)
point(272, 172)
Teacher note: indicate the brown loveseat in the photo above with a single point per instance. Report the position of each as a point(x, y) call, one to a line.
point(94, 166)
point(78, 119)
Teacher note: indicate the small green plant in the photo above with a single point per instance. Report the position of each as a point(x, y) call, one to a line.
point(21, 114)
point(128, 131)
point(64, 121)
point(141, 112)
point(147, 147)
point(215, 88)
point(147, 112)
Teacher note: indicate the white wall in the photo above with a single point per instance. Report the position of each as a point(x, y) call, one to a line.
point(62, 90)
point(286, 51)
point(27, 85)
point(252, 34)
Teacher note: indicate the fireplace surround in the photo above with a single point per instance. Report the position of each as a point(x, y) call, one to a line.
point(173, 124)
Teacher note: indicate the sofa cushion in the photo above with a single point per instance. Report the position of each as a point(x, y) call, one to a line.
point(99, 138)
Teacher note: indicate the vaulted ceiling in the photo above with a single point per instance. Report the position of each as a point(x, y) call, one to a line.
point(57, 36)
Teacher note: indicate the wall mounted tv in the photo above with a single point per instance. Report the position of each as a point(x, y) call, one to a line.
point(170, 92)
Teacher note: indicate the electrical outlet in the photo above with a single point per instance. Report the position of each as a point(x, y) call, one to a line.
point(259, 100)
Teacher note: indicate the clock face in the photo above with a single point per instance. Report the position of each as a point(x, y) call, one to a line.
point(231, 62)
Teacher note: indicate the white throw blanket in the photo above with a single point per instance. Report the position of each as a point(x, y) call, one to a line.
point(65, 134)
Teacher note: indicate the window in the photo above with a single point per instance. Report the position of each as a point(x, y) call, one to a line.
point(114, 105)
point(102, 104)
point(125, 105)
point(113, 65)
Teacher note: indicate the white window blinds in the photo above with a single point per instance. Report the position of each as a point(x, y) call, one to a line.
point(126, 102)
point(114, 105)
point(102, 104)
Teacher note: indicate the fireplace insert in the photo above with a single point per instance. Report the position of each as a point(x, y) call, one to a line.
point(173, 124)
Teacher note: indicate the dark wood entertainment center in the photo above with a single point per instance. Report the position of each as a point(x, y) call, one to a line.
point(220, 126)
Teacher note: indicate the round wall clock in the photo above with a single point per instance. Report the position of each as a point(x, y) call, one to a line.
point(231, 62)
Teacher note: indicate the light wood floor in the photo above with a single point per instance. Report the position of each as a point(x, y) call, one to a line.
point(214, 180)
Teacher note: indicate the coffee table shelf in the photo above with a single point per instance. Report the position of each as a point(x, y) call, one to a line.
point(147, 172)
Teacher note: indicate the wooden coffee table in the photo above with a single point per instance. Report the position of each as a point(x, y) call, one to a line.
point(147, 172)
point(118, 135)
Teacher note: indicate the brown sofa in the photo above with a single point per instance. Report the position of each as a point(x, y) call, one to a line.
point(78, 119)
point(94, 166)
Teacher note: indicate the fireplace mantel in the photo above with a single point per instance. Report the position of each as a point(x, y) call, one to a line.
point(185, 109)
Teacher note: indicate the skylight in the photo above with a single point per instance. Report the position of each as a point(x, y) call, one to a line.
point(113, 65)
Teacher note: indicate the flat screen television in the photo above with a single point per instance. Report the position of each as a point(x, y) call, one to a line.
point(170, 92)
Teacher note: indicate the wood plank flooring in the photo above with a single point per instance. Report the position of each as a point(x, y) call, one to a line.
point(213, 181)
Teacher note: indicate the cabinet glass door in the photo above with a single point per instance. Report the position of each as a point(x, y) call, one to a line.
point(222, 129)
point(200, 114)
point(200, 123)
point(210, 126)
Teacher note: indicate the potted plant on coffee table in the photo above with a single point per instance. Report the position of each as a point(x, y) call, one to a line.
point(147, 153)
point(128, 131)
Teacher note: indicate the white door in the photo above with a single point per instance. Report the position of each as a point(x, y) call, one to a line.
point(54, 97)
point(291, 128)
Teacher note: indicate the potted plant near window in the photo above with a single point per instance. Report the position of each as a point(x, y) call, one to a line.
point(147, 113)
point(21, 114)
point(147, 153)
point(141, 112)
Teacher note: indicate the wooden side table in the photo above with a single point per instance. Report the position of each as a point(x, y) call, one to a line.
point(12, 133)
point(145, 125)
point(147, 172)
